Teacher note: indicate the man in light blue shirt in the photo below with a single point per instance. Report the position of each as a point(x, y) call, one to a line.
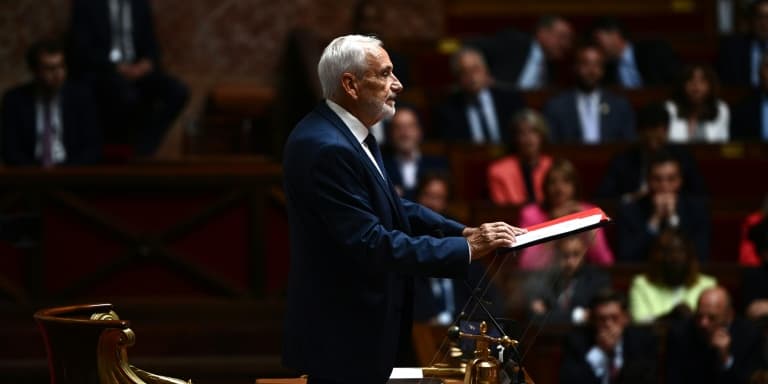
point(739, 55)
point(634, 64)
point(479, 112)
point(588, 113)
point(527, 60)
point(551, 42)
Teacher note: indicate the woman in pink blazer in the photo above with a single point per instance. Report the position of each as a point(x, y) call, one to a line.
point(561, 191)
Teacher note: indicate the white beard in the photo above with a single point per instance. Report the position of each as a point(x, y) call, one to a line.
point(383, 111)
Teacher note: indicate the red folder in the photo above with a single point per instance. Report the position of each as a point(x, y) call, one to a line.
point(561, 227)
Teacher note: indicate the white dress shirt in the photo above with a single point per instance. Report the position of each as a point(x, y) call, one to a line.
point(409, 169)
point(378, 131)
point(121, 25)
point(357, 128)
point(599, 360)
point(534, 73)
point(588, 106)
point(58, 152)
point(487, 110)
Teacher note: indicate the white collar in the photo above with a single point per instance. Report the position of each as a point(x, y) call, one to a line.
point(353, 123)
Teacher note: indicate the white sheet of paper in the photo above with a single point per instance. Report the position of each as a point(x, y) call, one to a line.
point(556, 229)
point(406, 373)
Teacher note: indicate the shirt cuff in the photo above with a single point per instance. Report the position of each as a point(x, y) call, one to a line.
point(469, 251)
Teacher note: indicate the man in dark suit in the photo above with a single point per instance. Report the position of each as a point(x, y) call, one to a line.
point(588, 113)
point(739, 56)
point(404, 162)
point(354, 243)
point(715, 346)
point(626, 174)
point(609, 350)
point(562, 293)
point(664, 206)
point(750, 116)
point(115, 50)
point(634, 64)
point(49, 121)
point(479, 112)
point(528, 62)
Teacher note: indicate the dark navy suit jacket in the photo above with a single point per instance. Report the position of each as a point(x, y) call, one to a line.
point(639, 350)
point(690, 359)
point(451, 116)
point(747, 118)
point(627, 171)
point(92, 36)
point(354, 248)
point(635, 239)
point(655, 60)
point(507, 53)
point(617, 118)
point(734, 60)
point(82, 137)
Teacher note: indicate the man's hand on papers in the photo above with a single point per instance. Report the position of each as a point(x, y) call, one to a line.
point(490, 236)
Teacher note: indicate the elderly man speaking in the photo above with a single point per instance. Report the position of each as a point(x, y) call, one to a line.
point(355, 245)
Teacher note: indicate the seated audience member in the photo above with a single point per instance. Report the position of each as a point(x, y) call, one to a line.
point(750, 116)
point(609, 349)
point(115, 50)
point(739, 55)
point(528, 62)
point(747, 253)
point(561, 197)
point(639, 222)
point(518, 178)
point(438, 300)
point(696, 112)
point(672, 282)
point(755, 282)
point(626, 174)
point(404, 163)
point(50, 120)
point(714, 346)
point(479, 111)
point(561, 294)
point(589, 114)
point(634, 64)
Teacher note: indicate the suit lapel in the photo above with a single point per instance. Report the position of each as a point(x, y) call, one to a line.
point(28, 130)
point(605, 133)
point(385, 185)
point(576, 131)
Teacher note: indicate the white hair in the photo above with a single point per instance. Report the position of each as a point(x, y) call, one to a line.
point(344, 54)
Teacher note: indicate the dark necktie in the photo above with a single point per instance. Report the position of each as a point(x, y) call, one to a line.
point(613, 370)
point(485, 127)
point(47, 144)
point(373, 146)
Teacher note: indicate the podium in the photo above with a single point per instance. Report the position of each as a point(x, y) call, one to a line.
point(484, 367)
